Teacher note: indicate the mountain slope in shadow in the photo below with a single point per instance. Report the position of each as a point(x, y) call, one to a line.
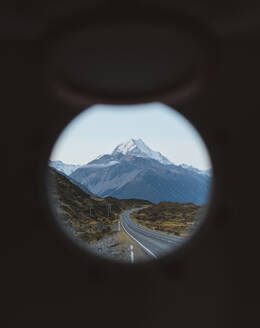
point(88, 217)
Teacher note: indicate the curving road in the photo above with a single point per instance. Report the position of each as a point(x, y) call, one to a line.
point(154, 243)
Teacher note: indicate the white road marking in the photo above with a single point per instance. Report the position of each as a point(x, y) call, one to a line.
point(138, 242)
point(132, 253)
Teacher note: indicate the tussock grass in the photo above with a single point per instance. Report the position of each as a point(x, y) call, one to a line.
point(87, 216)
point(169, 217)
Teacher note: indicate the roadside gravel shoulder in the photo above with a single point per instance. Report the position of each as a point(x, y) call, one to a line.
point(117, 247)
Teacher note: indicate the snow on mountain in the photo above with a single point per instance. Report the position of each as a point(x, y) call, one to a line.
point(68, 169)
point(136, 147)
point(63, 167)
point(102, 165)
point(133, 170)
point(99, 156)
point(194, 169)
point(140, 177)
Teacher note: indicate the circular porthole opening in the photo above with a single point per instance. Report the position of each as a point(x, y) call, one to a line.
point(130, 184)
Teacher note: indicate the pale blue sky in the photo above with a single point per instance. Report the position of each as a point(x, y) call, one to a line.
point(101, 128)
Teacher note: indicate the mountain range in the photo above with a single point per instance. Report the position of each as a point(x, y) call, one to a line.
point(133, 170)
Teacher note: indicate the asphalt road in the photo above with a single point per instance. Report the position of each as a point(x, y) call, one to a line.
point(154, 243)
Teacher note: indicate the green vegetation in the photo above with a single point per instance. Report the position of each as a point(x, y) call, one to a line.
point(169, 217)
point(89, 217)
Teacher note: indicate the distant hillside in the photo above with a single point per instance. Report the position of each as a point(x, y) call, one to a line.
point(63, 167)
point(86, 215)
point(81, 186)
point(169, 217)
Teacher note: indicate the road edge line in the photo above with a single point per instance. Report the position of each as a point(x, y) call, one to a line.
point(138, 242)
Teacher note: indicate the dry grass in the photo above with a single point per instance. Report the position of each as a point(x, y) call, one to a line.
point(169, 217)
point(87, 216)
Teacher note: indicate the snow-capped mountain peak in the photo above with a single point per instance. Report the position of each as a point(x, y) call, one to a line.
point(125, 147)
point(136, 147)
